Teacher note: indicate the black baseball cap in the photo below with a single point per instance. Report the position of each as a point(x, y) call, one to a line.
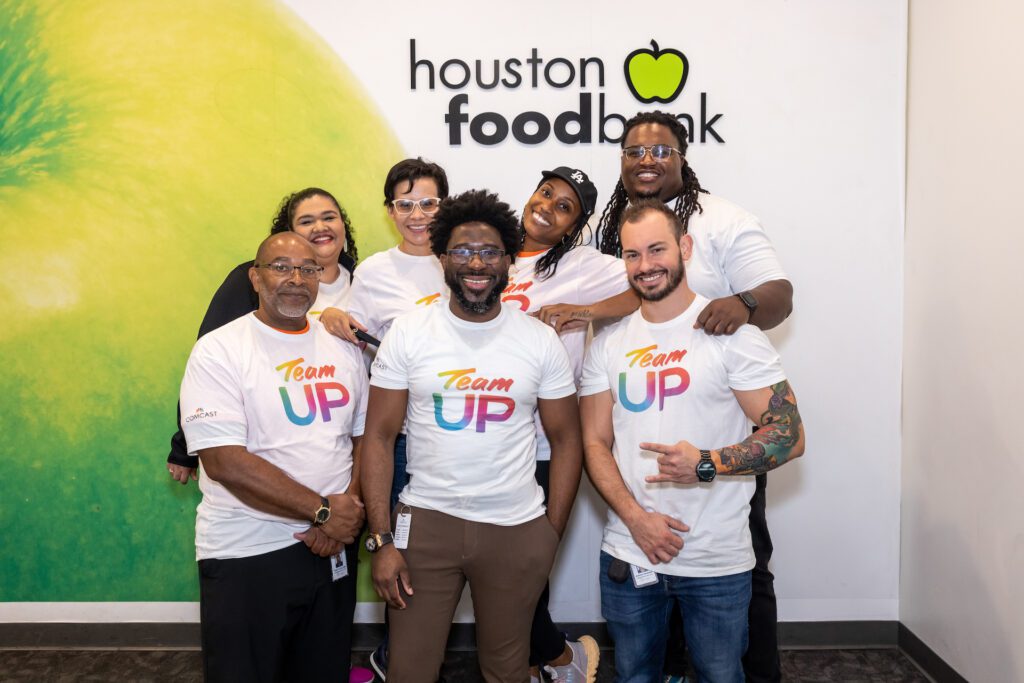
point(580, 182)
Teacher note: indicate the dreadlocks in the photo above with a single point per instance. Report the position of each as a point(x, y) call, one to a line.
point(686, 201)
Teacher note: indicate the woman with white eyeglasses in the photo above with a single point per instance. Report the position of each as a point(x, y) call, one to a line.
point(397, 281)
point(407, 275)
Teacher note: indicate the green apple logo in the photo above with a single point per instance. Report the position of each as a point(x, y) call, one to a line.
point(656, 75)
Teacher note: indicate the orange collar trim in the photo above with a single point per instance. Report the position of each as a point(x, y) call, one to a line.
point(304, 330)
point(528, 254)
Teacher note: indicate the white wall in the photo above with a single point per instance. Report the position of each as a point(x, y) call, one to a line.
point(812, 97)
point(962, 510)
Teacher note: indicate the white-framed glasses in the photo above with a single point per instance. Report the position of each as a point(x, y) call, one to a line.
point(428, 205)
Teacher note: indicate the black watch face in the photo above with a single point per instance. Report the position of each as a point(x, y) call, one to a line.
point(748, 300)
point(706, 470)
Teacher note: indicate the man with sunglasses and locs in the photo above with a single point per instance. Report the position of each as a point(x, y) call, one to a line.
point(468, 378)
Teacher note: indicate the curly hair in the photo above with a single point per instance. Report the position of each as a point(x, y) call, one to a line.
point(475, 206)
point(411, 170)
point(687, 201)
point(282, 221)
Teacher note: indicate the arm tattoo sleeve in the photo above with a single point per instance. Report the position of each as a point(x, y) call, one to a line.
point(772, 445)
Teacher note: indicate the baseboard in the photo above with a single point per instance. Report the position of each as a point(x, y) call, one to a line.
point(185, 636)
point(926, 658)
point(793, 635)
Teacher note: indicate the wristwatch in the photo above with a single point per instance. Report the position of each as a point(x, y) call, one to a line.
point(323, 513)
point(375, 542)
point(706, 467)
point(749, 300)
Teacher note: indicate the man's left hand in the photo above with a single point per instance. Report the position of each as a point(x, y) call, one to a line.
point(723, 316)
point(320, 543)
point(676, 463)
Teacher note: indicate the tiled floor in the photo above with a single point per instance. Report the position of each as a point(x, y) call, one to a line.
point(161, 666)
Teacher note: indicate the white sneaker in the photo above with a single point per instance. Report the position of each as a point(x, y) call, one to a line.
point(583, 667)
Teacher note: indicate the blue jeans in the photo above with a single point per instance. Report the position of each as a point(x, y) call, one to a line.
point(714, 618)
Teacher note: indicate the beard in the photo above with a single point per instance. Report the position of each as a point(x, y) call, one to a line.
point(482, 306)
point(293, 309)
point(675, 277)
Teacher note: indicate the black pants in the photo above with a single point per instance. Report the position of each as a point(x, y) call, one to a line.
point(276, 617)
point(546, 641)
point(761, 663)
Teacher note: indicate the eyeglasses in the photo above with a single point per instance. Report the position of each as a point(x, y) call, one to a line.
point(464, 256)
point(657, 151)
point(428, 205)
point(285, 270)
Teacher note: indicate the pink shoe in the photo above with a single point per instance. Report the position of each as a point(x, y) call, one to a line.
point(360, 675)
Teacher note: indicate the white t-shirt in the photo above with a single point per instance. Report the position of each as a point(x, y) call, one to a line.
point(293, 399)
point(584, 276)
point(391, 283)
point(332, 294)
point(668, 383)
point(731, 251)
point(473, 390)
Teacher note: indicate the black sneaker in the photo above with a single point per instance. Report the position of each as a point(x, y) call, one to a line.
point(379, 661)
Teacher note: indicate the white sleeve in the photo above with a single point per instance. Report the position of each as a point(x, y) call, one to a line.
point(601, 277)
point(750, 360)
point(595, 372)
point(212, 410)
point(390, 368)
point(556, 375)
point(360, 304)
point(747, 256)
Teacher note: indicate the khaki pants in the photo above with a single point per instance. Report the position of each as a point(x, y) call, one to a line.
point(506, 567)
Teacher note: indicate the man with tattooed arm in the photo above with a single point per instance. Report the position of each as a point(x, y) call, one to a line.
point(666, 415)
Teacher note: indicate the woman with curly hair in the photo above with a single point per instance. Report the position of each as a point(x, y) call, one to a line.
point(315, 214)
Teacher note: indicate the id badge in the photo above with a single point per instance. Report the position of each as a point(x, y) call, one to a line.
point(339, 565)
point(402, 527)
point(643, 577)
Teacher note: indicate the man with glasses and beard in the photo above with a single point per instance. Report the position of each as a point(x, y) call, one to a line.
point(468, 377)
point(666, 412)
point(274, 408)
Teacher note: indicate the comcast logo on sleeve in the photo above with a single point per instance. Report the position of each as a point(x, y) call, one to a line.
point(656, 75)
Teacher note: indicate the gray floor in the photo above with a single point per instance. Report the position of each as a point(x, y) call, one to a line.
point(460, 667)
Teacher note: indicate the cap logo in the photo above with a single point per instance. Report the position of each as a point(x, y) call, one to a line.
point(577, 176)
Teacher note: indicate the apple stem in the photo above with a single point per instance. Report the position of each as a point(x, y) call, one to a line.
point(655, 46)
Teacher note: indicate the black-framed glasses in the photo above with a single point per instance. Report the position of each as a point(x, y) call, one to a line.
point(464, 256)
point(657, 151)
point(306, 272)
point(428, 205)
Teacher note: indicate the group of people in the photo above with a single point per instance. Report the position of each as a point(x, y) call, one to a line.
point(441, 397)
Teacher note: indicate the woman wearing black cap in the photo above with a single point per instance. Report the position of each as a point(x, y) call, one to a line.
point(553, 268)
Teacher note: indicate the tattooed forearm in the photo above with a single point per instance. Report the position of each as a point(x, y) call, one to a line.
point(778, 440)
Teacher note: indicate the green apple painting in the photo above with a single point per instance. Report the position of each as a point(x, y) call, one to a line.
point(144, 147)
point(656, 75)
